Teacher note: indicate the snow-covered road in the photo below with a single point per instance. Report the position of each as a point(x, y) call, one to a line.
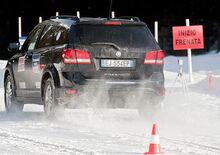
point(189, 124)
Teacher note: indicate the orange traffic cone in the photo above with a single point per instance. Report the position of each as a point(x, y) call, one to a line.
point(154, 147)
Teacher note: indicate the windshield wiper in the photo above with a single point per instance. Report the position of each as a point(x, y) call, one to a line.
point(106, 43)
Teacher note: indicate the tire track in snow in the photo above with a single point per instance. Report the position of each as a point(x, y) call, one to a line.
point(49, 148)
point(197, 146)
point(39, 146)
point(181, 145)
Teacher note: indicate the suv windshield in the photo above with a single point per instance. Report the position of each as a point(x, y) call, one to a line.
point(123, 36)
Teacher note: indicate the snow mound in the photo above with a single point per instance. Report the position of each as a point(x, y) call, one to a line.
point(207, 63)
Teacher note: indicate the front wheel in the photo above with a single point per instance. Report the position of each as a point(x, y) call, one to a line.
point(51, 105)
point(11, 105)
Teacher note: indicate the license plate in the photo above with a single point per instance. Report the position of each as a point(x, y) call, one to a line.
point(117, 63)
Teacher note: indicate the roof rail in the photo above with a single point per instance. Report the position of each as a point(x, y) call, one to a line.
point(129, 18)
point(65, 17)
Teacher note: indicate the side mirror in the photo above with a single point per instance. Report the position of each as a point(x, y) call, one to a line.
point(14, 47)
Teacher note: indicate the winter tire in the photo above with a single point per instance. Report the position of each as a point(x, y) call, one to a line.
point(51, 107)
point(11, 105)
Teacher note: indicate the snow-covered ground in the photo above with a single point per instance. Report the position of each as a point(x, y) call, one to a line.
point(188, 125)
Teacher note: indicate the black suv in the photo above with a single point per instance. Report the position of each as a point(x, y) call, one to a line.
point(65, 57)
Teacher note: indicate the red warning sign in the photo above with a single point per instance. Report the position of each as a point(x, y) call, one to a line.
point(188, 37)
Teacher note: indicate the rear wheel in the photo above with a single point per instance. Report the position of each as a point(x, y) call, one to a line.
point(11, 105)
point(51, 105)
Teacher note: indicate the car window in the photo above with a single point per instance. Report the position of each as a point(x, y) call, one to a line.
point(123, 36)
point(32, 39)
point(60, 36)
point(47, 36)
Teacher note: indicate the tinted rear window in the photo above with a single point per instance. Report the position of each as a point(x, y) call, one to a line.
point(123, 36)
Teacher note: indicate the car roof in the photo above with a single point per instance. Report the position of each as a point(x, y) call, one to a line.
point(104, 20)
point(67, 20)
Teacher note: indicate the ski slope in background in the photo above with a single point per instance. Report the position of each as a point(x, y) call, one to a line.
point(188, 125)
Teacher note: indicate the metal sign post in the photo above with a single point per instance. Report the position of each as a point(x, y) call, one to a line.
point(78, 14)
point(189, 51)
point(156, 30)
point(57, 14)
point(40, 19)
point(113, 14)
point(19, 27)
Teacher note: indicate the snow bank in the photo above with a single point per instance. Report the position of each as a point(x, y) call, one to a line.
point(203, 66)
point(207, 63)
